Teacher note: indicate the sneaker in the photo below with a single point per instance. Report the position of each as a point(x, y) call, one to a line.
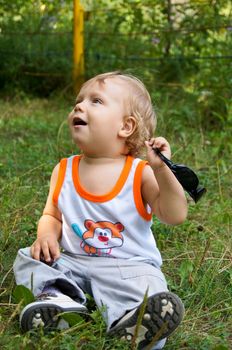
point(44, 312)
point(163, 313)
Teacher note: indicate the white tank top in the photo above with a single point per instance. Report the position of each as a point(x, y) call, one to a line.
point(113, 225)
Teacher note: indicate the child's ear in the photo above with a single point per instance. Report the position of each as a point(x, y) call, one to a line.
point(128, 126)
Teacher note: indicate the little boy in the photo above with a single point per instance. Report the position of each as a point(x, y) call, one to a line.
point(99, 211)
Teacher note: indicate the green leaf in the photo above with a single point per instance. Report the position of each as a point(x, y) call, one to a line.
point(72, 318)
point(21, 293)
point(185, 269)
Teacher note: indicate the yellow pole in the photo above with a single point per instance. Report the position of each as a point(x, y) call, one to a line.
point(78, 45)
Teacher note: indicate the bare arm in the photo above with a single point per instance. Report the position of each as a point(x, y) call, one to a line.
point(160, 188)
point(46, 245)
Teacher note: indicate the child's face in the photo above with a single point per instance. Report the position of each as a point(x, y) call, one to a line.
point(98, 115)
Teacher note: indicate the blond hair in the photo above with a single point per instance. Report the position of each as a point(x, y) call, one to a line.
point(140, 107)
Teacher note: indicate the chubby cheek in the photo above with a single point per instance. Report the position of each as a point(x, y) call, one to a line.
point(106, 127)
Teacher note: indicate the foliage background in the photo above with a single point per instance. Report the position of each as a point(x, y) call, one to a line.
point(183, 45)
point(182, 51)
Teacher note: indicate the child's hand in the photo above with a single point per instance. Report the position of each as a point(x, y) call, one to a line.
point(162, 144)
point(46, 249)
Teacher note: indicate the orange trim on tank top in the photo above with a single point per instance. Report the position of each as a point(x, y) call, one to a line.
point(60, 180)
point(108, 196)
point(137, 191)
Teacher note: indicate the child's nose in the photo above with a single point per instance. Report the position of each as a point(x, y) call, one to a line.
point(76, 108)
point(79, 107)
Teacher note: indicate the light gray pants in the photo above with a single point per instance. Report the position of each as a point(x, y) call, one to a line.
point(117, 284)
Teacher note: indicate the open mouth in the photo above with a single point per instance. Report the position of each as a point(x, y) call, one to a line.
point(78, 122)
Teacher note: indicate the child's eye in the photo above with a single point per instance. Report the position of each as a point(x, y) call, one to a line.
point(97, 100)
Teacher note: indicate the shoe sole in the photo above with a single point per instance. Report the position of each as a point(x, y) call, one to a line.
point(43, 315)
point(163, 313)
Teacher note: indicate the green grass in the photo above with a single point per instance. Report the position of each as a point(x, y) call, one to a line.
point(197, 254)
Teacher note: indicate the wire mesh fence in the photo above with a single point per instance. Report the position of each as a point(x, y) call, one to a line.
point(180, 44)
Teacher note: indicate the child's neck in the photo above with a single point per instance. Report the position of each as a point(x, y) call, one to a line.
point(99, 154)
point(105, 156)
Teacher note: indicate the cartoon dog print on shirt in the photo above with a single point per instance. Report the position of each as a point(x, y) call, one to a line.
point(100, 237)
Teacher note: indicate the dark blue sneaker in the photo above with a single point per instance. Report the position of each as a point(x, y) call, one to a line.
point(163, 313)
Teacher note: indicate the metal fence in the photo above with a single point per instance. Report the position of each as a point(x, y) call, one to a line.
point(51, 58)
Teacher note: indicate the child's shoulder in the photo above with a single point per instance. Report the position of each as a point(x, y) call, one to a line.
point(64, 161)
